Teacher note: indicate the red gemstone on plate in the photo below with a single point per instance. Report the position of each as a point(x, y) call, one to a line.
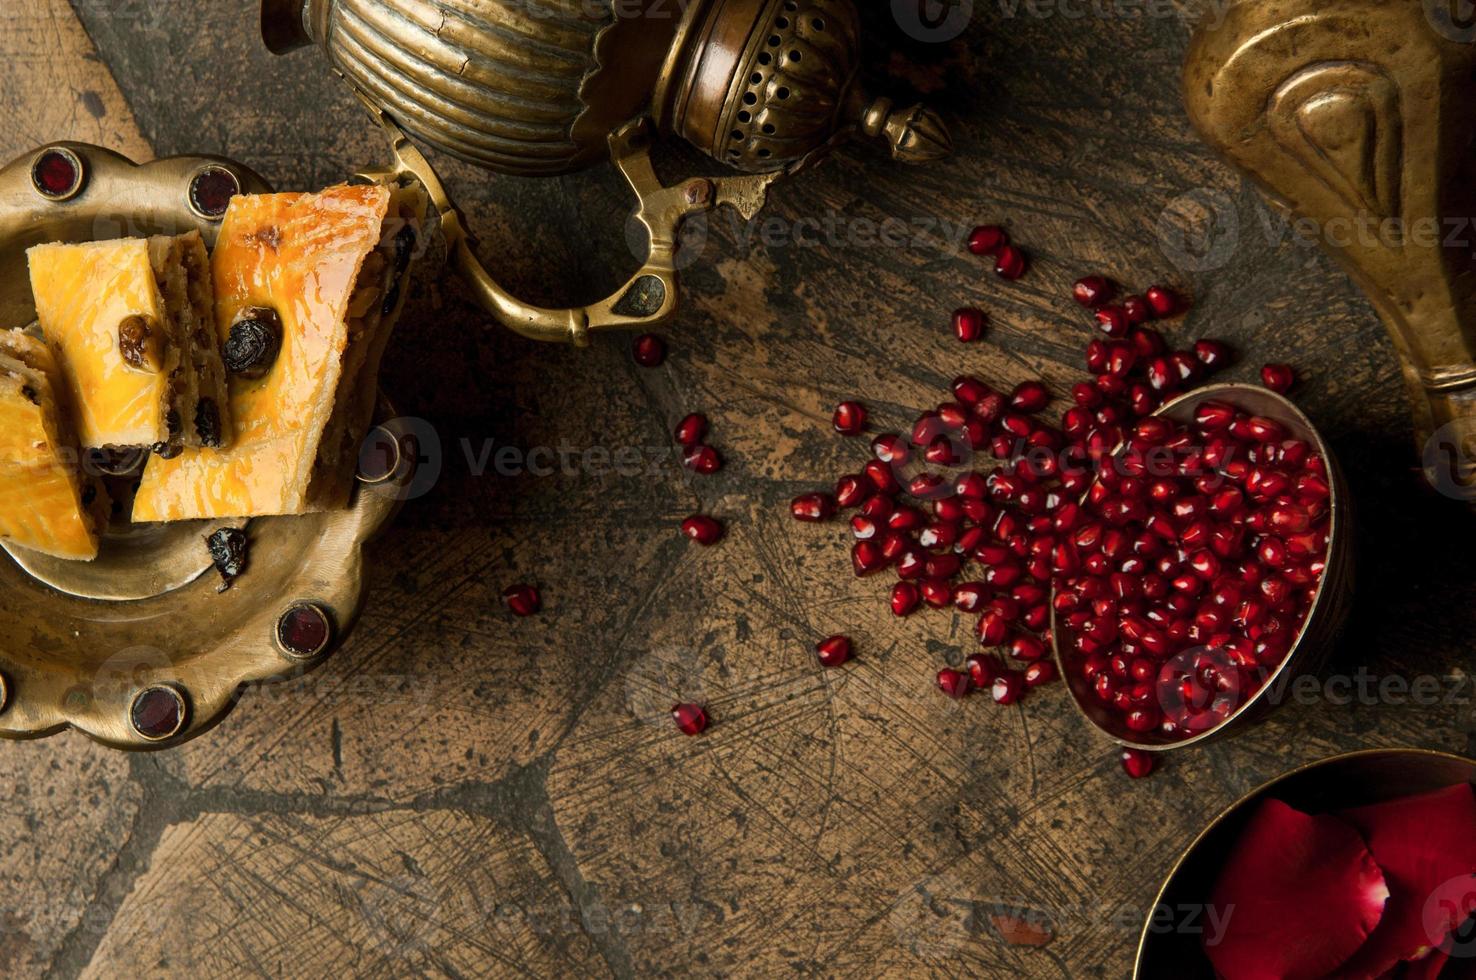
point(834, 650)
point(649, 350)
point(523, 600)
point(702, 529)
point(304, 630)
point(55, 173)
point(211, 191)
point(157, 713)
point(690, 718)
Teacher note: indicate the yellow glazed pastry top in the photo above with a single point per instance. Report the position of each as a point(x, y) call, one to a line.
point(299, 256)
point(84, 293)
point(41, 505)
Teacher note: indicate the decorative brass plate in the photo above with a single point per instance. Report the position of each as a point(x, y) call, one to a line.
point(1170, 945)
point(140, 648)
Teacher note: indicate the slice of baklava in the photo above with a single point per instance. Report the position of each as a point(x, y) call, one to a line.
point(133, 326)
point(307, 289)
point(47, 502)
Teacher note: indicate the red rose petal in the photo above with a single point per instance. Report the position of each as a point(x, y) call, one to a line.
point(1299, 895)
point(1426, 846)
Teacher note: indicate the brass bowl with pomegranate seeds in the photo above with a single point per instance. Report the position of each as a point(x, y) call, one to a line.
point(1217, 652)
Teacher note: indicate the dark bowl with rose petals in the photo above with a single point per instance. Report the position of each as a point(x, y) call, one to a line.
point(1171, 944)
point(1324, 620)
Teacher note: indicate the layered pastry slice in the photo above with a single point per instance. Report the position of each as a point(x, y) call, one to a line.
point(307, 288)
point(133, 327)
point(47, 503)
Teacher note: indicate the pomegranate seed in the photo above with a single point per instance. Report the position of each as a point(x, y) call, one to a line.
point(852, 490)
point(1113, 320)
point(866, 558)
point(702, 529)
point(691, 719)
point(702, 459)
point(993, 629)
point(968, 324)
point(905, 599)
point(1010, 263)
point(1027, 648)
point(812, 507)
point(1214, 416)
point(1212, 354)
point(970, 390)
point(1137, 763)
point(881, 476)
point(691, 431)
point(982, 670)
point(968, 596)
point(940, 452)
point(648, 350)
point(1040, 672)
point(523, 600)
point(849, 418)
point(987, 239)
point(1137, 309)
point(1161, 301)
point(1008, 687)
point(1029, 397)
point(833, 651)
point(1092, 291)
point(954, 683)
point(936, 592)
point(1278, 377)
point(889, 447)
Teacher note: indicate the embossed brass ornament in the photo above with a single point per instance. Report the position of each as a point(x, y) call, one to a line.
point(764, 86)
point(1358, 115)
point(138, 648)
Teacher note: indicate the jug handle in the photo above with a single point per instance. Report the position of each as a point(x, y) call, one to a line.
point(648, 298)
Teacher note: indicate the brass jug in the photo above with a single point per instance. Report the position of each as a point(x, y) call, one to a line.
point(541, 87)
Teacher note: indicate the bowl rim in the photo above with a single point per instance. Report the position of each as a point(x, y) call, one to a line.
point(1337, 535)
point(1224, 814)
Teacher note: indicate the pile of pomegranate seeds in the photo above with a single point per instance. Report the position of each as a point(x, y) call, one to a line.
point(1187, 574)
point(1148, 567)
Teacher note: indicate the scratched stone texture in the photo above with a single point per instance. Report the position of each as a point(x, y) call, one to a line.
point(456, 793)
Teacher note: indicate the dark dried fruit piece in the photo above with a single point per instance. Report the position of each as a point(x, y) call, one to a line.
point(133, 342)
point(255, 341)
point(228, 552)
point(207, 423)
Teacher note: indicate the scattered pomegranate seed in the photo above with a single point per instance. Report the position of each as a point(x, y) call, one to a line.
point(1008, 687)
point(1029, 397)
point(987, 239)
point(649, 350)
point(1212, 354)
point(702, 459)
point(1040, 672)
point(691, 719)
point(702, 529)
point(1162, 301)
point(905, 599)
point(523, 600)
point(1137, 763)
point(1092, 291)
point(834, 651)
point(691, 431)
point(982, 670)
point(1137, 309)
point(850, 418)
point(968, 324)
point(954, 683)
point(1010, 263)
point(1278, 377)
point(1113, 320)
point(812, 507)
